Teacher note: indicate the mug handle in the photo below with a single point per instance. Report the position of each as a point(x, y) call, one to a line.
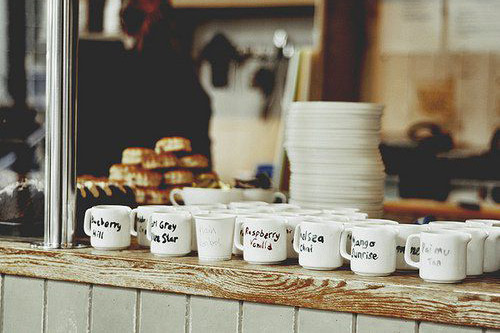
point(86, 222)
point(343, 244)
point(133, 214)
point(281, 196)
point(148, 227)
point(296, 239)
point(172, 196)
point(236, 235)
point(408, 258)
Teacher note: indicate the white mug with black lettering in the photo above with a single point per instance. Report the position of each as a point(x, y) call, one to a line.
point(475, 248)
point(443, 255)
point(317, 243)
point(373, 248)
point(170, 233)
point(214, 236)
point(141, 215)
point(404, 231)
point(109, 226)
point(491, 261)
point(264, 240)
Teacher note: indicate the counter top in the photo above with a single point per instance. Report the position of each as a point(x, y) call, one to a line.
point(475, 302)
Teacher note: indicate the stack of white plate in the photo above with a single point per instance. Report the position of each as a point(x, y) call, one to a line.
point(334, 156)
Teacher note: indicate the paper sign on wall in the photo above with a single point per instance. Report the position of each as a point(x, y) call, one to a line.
point(474, 25)
point(411, 26)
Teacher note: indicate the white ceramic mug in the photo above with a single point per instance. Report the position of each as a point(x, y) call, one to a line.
point(404, 231)
point(491, 223)
point(373, 249)
point(443, 255)
point(214, 236)
point(169, 233)
point(317, 243)
point(259, 194)
point(264, 240)
point(475, 248)
point(292, 221)
point(240, 215)
point(141, 215)
point(491, 245)
point(246, 204)
point(109, 226)
point(205, 196)
point(283, 207)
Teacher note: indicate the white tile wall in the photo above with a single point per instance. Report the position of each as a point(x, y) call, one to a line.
point(25, 299)
point(213, 315)
point(372, 324)
point(161, 312)
point(319, 321)
point(264, 318)
point(440, 328)
point(113, 308)
point(67, 307)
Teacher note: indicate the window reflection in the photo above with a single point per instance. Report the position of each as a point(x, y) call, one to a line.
point(22, 112)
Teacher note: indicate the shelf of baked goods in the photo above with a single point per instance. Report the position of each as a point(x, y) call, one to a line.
point(240, 3)
point(474, 302)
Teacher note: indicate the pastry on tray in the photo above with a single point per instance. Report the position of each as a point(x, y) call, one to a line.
point(145, 178)
point(207, 180)
point(160, 161)
point(172, 144)
point(178, 177)
point(118, 172)
point(152, 196)
point(135, 155)
point(194, 161)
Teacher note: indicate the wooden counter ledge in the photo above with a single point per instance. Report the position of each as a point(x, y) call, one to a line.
point(475, 302)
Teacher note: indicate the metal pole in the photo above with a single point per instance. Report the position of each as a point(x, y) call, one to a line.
point(60, 122)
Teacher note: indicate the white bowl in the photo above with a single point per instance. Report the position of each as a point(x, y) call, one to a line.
point(205, 196)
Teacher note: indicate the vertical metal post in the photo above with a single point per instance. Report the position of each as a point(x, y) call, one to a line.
point(60, 185)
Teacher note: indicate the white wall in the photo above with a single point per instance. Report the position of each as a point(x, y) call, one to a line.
point(241, 139)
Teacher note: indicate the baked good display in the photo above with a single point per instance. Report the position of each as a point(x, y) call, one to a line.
point(172, 144)
point(152, 196)
point(193, 161)
point(160, 161)
point(23, 202)
point(178, 177)
point(207, 180)
point(118, 172)
point(90, 194)
point(145, 178)
point(135, 155)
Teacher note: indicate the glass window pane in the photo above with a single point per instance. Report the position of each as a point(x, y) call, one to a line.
point(22, 114)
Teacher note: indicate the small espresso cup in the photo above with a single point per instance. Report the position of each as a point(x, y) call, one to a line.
point(443, 255)
point(141, 215)
point(475, 248)
point(109, 226)
point(214, 236)
point(373, 248)
point(404, 231)
point(491, 245)
point(264, 239)
point(317, 243)
point(169, 233)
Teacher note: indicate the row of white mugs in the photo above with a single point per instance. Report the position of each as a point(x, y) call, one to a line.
point(448, 251)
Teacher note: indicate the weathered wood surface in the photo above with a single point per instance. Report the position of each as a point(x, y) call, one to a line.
point(475, 302)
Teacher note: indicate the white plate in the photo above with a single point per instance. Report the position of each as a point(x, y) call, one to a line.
point(332, 205)
point(340, 144)
point(337, 189)
point(319, 197)
point(330, 106)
